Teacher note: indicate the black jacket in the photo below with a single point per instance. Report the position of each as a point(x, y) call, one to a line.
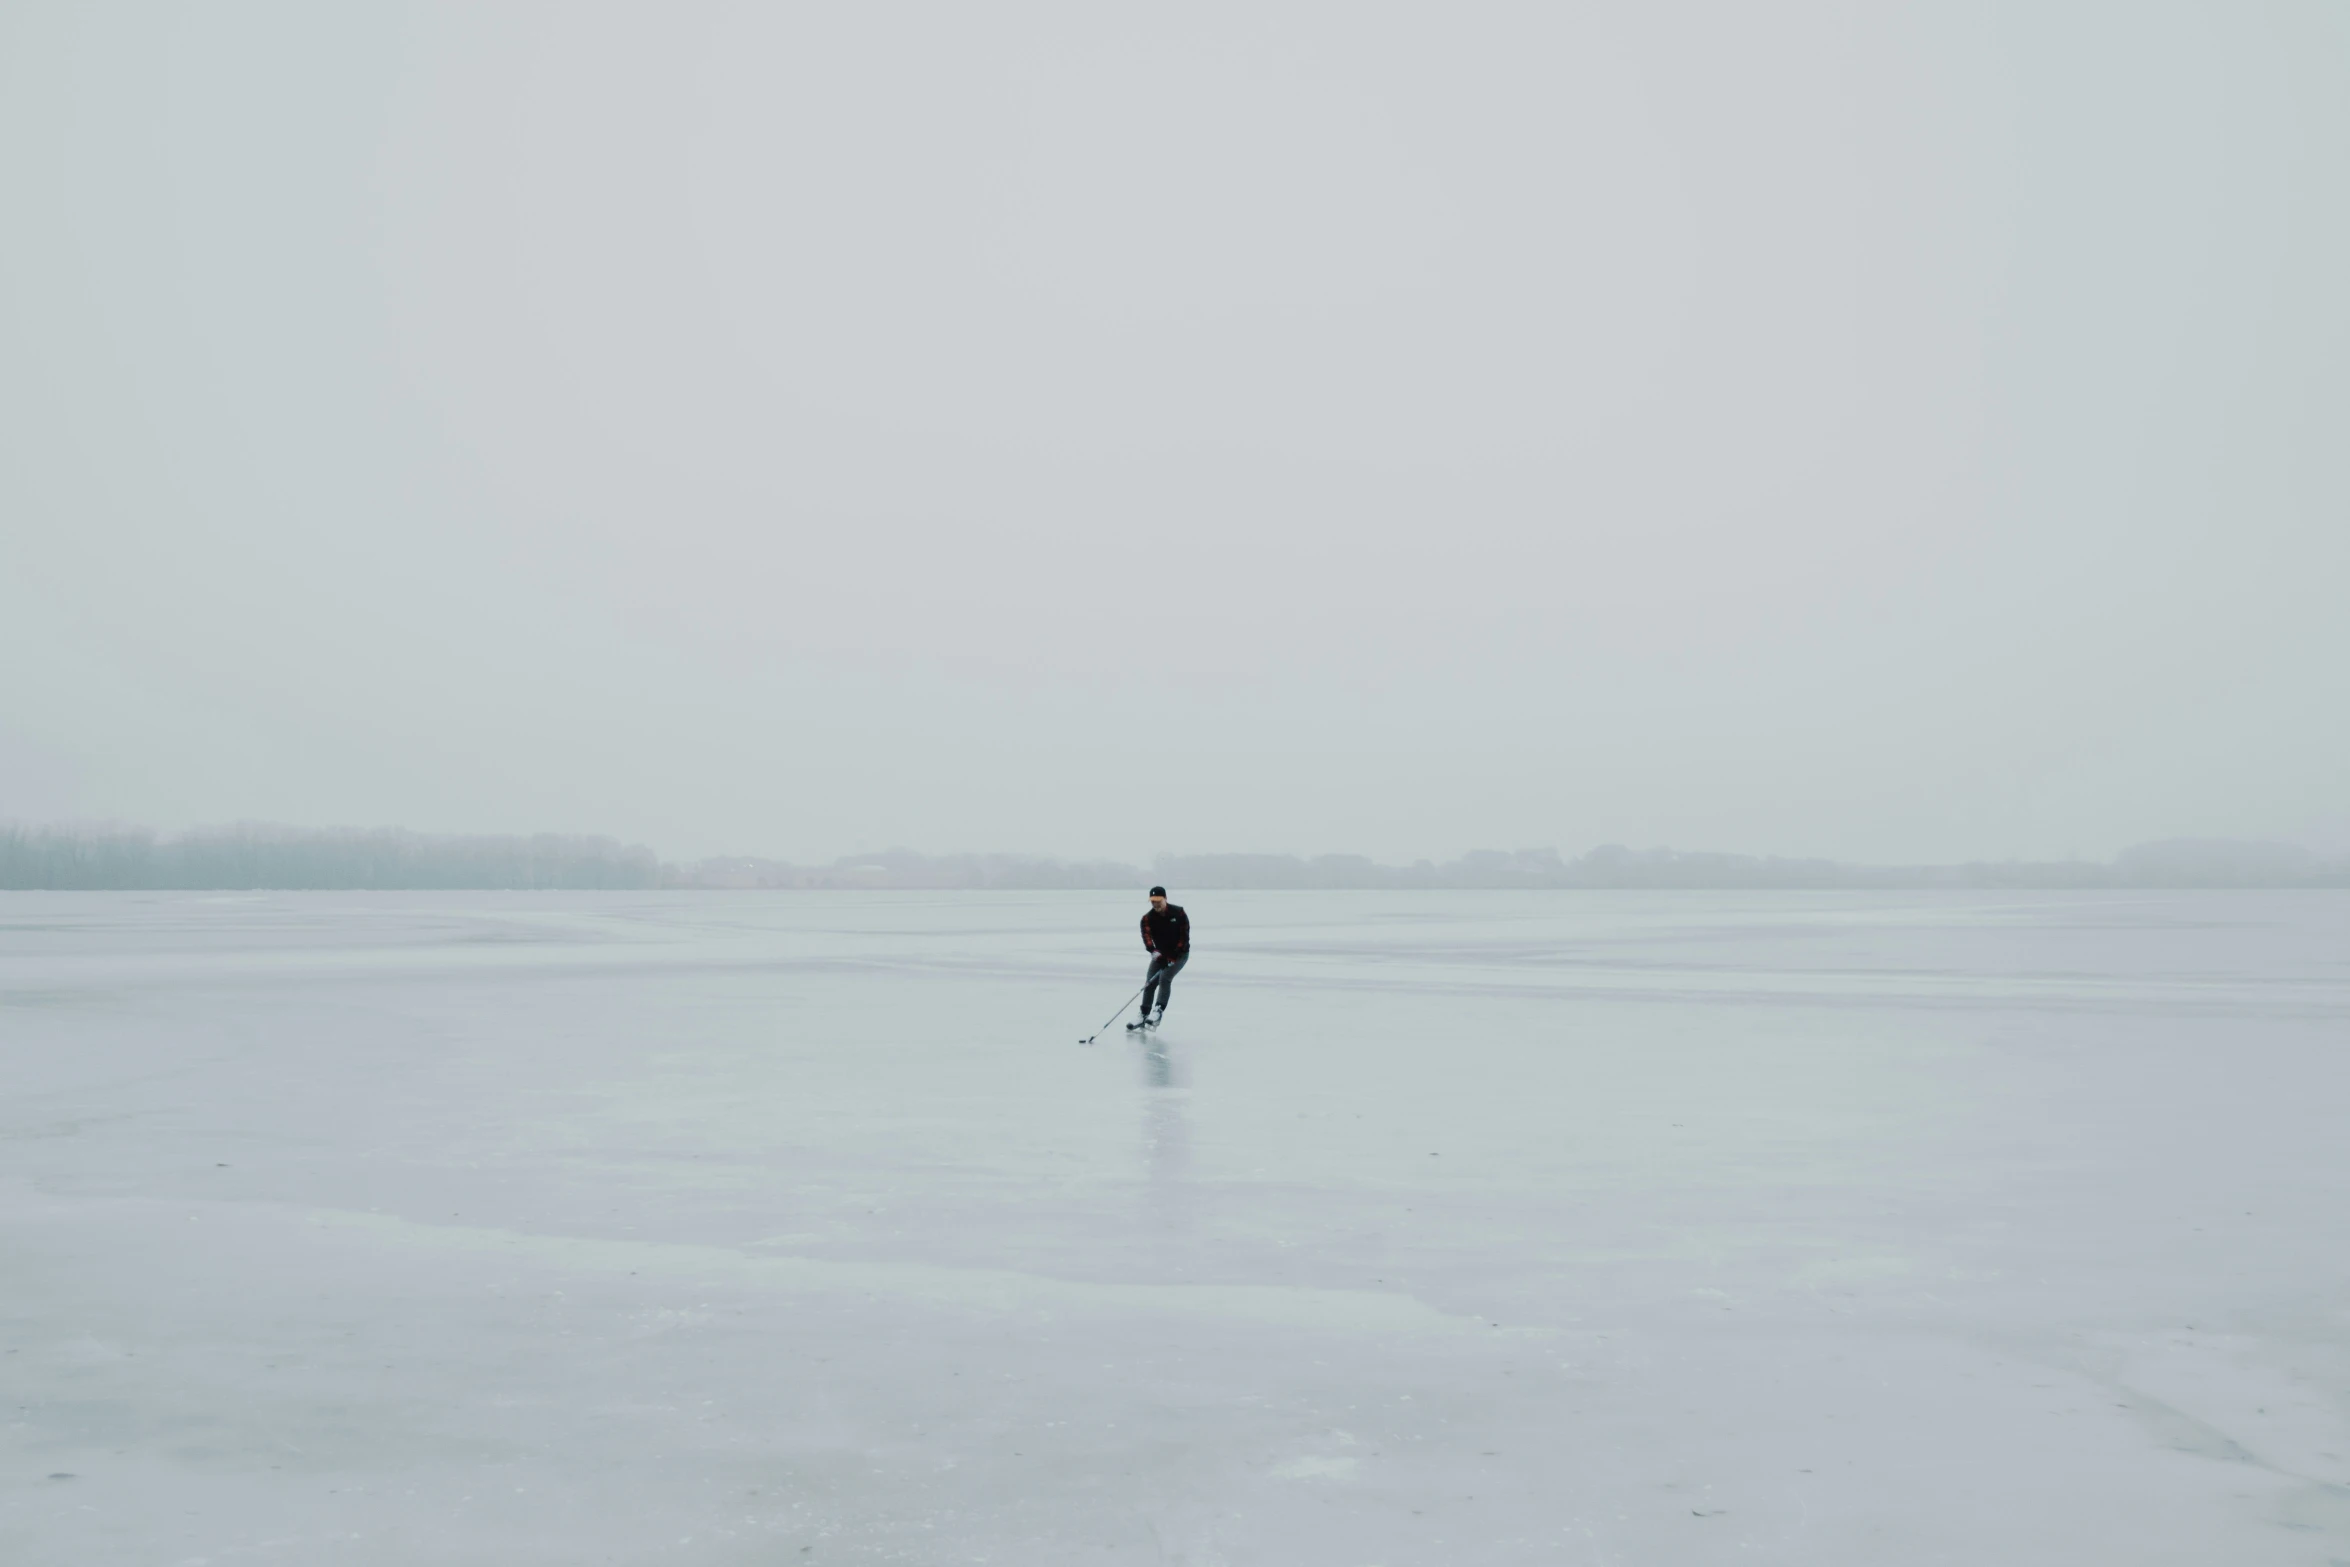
point(1167, 932)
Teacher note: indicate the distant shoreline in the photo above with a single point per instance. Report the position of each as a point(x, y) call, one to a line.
point(274, 858)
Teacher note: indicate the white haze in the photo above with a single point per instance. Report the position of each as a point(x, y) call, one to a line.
point(1880, 432)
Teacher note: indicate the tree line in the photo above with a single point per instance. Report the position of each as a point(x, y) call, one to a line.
point(291, 858)
point(261, 856)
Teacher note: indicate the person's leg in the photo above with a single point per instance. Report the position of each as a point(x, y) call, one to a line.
point(1151, 983)
point(1166, 979)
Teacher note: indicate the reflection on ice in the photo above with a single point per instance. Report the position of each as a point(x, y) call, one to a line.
point(1166, 1134)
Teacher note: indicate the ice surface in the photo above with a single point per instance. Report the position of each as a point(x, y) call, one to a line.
point(1467, 1227)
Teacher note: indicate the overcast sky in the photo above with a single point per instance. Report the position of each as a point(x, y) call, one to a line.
point(1887, 432)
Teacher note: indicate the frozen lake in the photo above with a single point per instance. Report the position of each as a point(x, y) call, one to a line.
point(1469, 1228)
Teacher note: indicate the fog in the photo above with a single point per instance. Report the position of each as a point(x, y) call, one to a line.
point(1897, 435)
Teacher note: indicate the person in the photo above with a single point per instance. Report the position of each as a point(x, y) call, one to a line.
point(1166, 936)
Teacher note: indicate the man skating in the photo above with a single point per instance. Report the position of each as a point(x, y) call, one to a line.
point(1166, 936)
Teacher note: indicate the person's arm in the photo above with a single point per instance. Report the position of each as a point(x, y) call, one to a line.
point(1148, 945)
point(1182, 932)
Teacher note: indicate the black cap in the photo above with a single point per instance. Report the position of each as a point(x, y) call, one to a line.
point(1158, 892)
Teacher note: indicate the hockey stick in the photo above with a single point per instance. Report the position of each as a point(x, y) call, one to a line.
point(1121, 1012)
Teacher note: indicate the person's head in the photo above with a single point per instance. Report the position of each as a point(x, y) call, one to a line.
point(1158, 897)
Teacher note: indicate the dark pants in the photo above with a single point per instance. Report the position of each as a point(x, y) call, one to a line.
point(1161, 979)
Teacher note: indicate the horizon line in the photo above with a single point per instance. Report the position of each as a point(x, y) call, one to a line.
point(252, 855)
